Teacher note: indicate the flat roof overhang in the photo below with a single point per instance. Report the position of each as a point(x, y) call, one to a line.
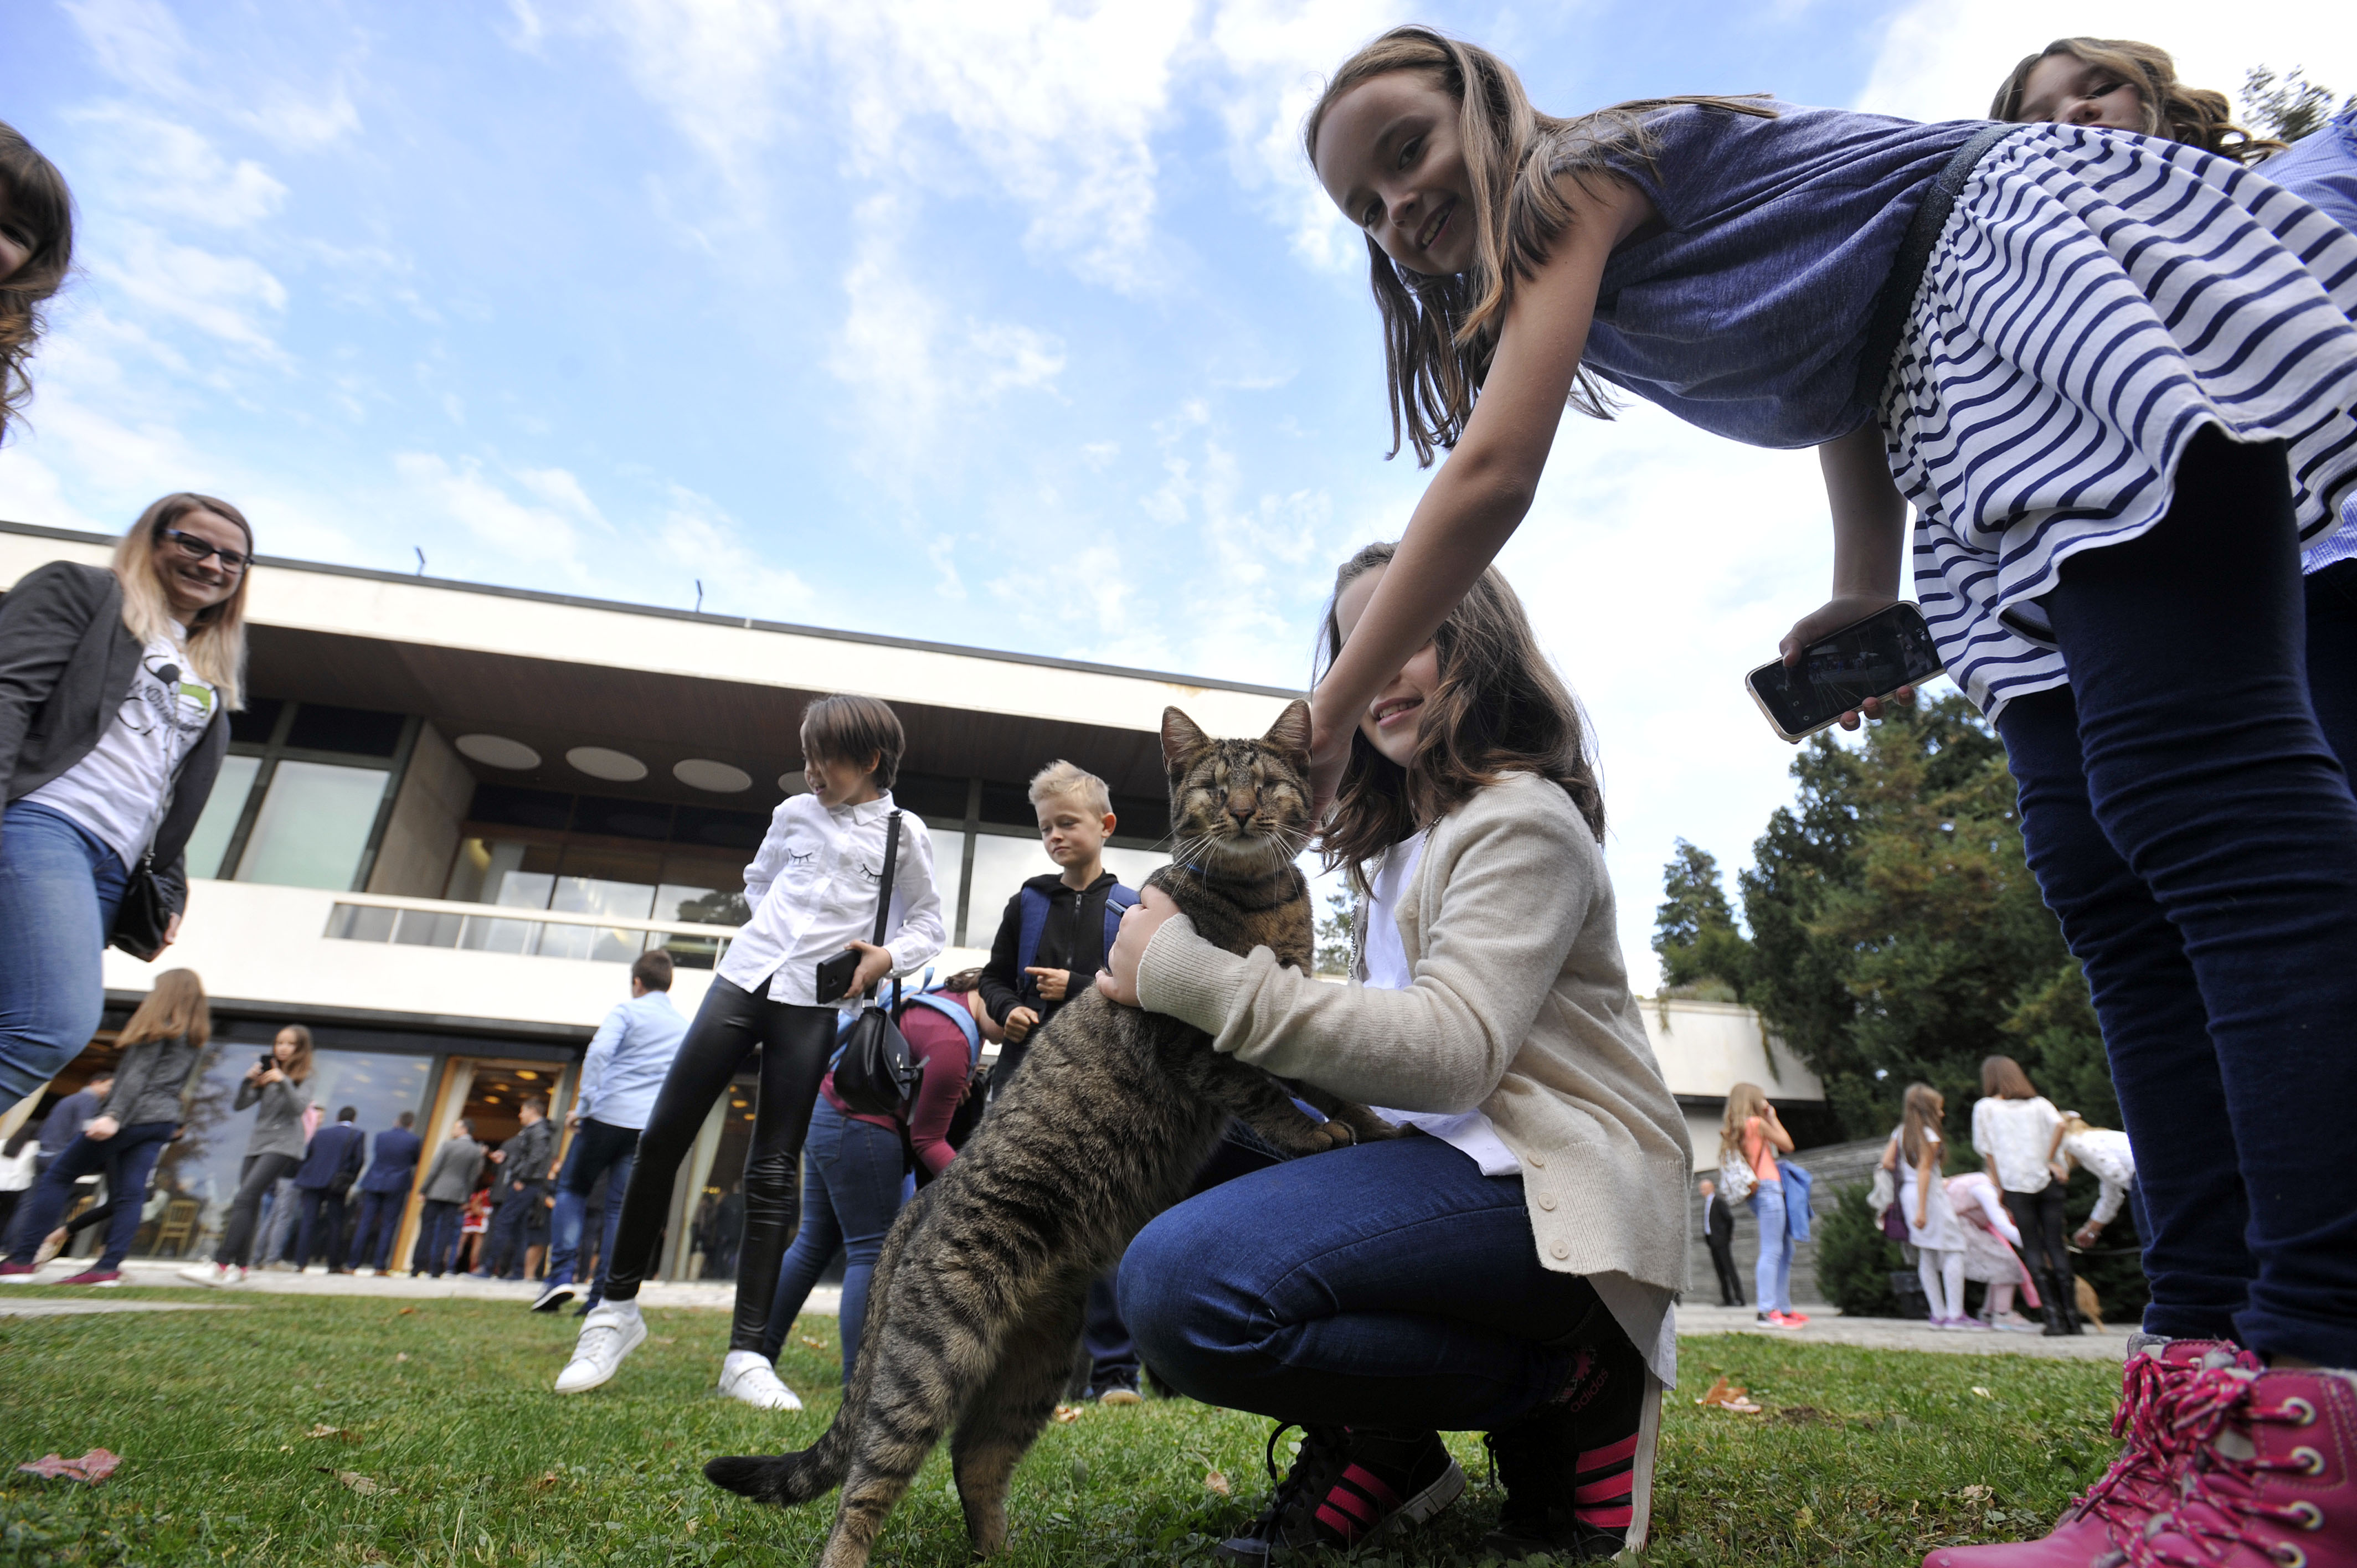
point(556, 672)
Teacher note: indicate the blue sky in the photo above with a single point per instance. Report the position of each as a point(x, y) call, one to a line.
point(1019, 325)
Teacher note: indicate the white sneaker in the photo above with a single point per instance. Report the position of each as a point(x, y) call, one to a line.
point(363, 1272)
point(205, 1274)
point(608, 1335)
point(747, 1375)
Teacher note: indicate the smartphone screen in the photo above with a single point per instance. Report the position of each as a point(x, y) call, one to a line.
point(1889, 649)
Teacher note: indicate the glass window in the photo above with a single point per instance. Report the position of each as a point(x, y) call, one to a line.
point(1001, 866)
point(313, 825)
point(199, 1175)
point(700, 905)
point(949, 874)
point(1135, 865)
point(222, 808)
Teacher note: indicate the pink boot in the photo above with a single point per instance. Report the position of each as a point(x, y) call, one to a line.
point(2108, 1514)
point(2269, 1477)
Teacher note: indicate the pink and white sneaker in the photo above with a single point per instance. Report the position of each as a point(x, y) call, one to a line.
point(94, 1277)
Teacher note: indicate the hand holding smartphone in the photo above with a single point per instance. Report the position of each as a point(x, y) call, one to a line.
point(835, 975)
point(1867, 658)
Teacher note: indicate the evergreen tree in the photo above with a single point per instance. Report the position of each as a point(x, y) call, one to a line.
point(1694, 930)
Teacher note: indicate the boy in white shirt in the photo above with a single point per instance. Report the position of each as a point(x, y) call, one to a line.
point(813, 887)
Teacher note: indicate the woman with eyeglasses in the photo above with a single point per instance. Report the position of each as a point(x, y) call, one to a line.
point(116, 684)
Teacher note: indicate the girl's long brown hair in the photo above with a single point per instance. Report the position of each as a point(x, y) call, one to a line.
point(1440, 331)
point(1923, 1109)
point(1500, 708)
point(35, 195)
point(298, 1066)
point(2002, 1079)
point(175, 1008)
point(2195, 115)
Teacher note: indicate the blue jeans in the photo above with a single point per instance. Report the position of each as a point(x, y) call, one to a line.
point(437, 1238)
point(380, 1222)
point(59, 885)
point(598, 1148)
point(504, 1248)
point(1771, 1276)
point(2196, 835)
point(1390, 1284)
point(128, 1159)
point(851, 1190)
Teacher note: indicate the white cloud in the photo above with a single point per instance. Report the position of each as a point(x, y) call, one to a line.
point(702, 541)
point(167, 169)
point(141, 44)
point(1943, 62)
point(546, 536)
point(233, 299)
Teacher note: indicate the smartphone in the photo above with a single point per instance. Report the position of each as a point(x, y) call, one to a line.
point(1871, 657)
point(835, 975)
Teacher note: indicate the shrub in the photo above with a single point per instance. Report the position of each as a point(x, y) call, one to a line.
point(1854, 1258)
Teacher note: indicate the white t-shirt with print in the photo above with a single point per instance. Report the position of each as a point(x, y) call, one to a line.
point(119, 791)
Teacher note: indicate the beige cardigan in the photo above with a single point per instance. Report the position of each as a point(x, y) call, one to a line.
point(1521, 1007)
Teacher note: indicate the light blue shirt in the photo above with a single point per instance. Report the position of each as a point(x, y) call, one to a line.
point(628, 1059)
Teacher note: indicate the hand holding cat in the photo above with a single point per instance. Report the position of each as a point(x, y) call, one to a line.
point(1118, 979)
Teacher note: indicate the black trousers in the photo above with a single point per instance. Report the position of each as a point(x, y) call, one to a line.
point(794, 1044)
point(2038, 1217)
point(256, 1177)
point(1730, 1282)
point(322, 1207)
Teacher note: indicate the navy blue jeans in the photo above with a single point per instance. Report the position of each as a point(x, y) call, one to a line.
point(378, 1223)
point(851, 1191)
point(128, 1159)
point(599, 1148)
point(504, 1248)
point(2196, 835)
point(60, 884)
point(1391, 1284)
point(437, 1238)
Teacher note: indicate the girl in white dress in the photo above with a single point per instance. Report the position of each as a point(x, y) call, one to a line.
point(1916, 1153)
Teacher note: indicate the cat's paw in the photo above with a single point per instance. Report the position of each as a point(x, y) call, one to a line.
point(1364, 1124)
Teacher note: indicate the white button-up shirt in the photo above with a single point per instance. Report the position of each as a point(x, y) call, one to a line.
point(2013, 1136)
point(813, 887)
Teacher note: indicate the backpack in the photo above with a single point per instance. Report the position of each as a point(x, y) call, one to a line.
point(1118, 900)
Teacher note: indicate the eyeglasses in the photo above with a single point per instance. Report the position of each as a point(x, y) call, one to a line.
point(197, 549)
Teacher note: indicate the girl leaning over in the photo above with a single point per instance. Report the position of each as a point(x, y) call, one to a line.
point(2116, 377)
point(1508, 1271)
point(1749, 1138)
point(116, 684)
point(161, 1044)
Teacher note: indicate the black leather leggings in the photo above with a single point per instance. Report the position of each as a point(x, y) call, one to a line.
point(261, 1173)
point(794, 1044)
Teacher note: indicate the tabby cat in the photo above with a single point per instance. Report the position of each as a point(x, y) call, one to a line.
point(975, 1305)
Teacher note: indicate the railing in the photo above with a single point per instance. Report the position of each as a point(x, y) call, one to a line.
point(540, 933)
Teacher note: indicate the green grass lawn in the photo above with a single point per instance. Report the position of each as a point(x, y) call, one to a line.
point(443, 1445)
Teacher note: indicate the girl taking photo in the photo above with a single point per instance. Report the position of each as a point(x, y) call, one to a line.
point(116, 684)
point(1508, 1267)
point(1749, 1138)
point(2122, 390)
point(277, 1087)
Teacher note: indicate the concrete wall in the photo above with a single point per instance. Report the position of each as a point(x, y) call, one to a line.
point(422, 834)
point(1708, 1047)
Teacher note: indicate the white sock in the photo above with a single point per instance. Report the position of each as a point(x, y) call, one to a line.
point(626, 1309)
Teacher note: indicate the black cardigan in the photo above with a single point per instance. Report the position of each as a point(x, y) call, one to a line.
point(67, 662)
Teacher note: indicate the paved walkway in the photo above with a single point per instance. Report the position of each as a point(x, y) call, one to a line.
point(1826, 1325)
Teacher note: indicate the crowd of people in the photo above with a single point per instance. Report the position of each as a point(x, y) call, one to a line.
point(2102, 344)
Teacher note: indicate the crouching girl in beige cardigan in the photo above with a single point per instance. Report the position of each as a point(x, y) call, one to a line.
point(1508, 1271)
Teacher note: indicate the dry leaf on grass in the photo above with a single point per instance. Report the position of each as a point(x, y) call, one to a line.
point(662, 1340)
point(813, 1344)
point(1727, 1396)
point(1068, 1413)
point(1218, 1483)
point(1977, 1494)
point(324, 1430)
point(400, 1355)
point(93, 1466)
point(544, 1480)
point(406, 1312)
point(358, 1483)
point(1983, 1393)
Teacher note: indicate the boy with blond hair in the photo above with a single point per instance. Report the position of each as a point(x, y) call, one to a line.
point(1051, 942)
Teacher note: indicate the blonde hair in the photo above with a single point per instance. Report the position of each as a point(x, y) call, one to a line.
point(1060, 779)
point(1439, 332)
point(2194, 115)
point(176, 1009)
point(1744, 1101)
point(215, 642)
point(1925, 1110)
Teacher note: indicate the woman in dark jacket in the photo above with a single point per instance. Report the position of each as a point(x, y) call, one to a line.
point(116, 691)
point(162, 1044)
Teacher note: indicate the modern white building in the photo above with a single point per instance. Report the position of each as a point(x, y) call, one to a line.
point(453, 814)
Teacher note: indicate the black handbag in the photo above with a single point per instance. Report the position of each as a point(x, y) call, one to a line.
point(141, 918)
point(875, 1071)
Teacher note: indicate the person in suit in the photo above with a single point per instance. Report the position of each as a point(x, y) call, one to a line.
point(384, 1192)
point(519, 1188)
point(329, 1167)
point(1718, 1226)
point(64, 1123)
point(450, 1182)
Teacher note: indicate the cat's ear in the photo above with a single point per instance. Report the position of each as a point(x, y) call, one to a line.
point(1180, 738)
point(1290, 734)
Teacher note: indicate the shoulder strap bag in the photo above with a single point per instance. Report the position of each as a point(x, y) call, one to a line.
point(875, 1072)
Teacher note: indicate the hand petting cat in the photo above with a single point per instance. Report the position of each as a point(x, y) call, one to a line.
point(1118, 980)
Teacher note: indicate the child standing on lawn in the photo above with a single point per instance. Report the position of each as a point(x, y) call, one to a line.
point(1508, 1271)
point(1051, 940)
point(813, 888)
point(2117, 378)
point(1917, 1152)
